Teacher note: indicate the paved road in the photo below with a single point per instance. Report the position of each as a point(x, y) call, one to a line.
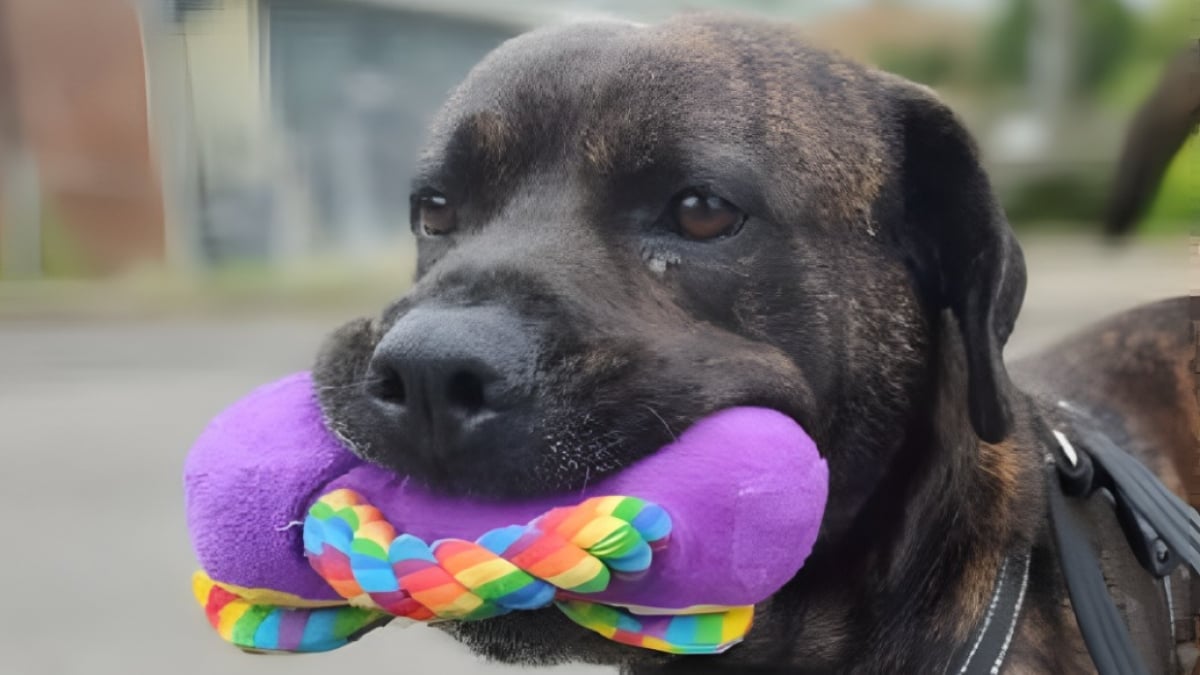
point(95, 417)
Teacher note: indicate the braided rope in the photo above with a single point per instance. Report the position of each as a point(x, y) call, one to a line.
point(263, 626)
point(573, 549)
point(559, 558)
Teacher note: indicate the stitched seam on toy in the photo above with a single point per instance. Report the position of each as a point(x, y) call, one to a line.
point(1170, 607)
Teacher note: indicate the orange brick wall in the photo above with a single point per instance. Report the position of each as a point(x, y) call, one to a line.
point(80, 97)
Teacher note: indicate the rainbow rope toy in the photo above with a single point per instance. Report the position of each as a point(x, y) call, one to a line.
point(619, 566)
point(567, 553)
point(351, 546)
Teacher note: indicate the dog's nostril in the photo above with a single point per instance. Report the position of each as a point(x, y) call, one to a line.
point(465, 390)
point(387, 385)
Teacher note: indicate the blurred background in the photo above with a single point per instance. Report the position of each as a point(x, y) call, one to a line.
point(192, 193)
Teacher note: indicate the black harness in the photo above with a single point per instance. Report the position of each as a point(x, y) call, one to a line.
point(1161, 529)
point(988, 647)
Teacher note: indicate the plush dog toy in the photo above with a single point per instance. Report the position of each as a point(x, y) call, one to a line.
point(304, 546)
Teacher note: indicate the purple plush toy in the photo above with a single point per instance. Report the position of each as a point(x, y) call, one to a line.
point(304, 546)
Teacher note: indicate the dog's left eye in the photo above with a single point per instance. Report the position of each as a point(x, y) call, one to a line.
point(432, 214)
point(704, 216)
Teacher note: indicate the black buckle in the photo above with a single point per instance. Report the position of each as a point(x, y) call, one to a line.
point(1080, 477)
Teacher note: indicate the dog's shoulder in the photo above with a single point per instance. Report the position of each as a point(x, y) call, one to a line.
point(1136, 372)
point(1133, 374)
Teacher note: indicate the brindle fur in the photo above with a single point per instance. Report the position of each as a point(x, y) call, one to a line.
point(868, 296)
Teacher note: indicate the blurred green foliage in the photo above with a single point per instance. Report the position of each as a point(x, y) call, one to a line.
point(1058, 197)
point(1105, 32)
point(1118, 59)
point(1158, 37)
point(933, 65)
point(1006, 44)
point(1177, 205)
point(1167, 29)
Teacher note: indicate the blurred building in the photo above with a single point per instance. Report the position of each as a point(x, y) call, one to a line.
point(79, 191)
point(292, 126)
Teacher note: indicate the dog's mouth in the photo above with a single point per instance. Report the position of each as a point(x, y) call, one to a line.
point(512, 457)
point(576, 419)
point(670, 553)
point(556, 452)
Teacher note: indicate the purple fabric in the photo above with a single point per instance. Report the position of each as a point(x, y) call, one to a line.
point(745, 488)
point(291, 630)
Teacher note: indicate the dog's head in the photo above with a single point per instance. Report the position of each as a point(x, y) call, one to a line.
point(623, 229)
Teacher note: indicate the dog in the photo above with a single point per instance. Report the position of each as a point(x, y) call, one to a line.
point(623, 228)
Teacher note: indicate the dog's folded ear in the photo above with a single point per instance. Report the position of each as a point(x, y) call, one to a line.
point(960, 246)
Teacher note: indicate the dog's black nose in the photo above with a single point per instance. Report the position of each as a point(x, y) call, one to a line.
point(441, 374)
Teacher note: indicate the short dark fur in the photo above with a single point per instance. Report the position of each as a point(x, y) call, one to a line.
point(869, 296)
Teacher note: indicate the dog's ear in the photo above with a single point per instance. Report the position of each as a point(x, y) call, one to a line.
point(960, 246)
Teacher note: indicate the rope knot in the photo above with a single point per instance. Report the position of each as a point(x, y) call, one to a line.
point(573, 550)
point(558, 558)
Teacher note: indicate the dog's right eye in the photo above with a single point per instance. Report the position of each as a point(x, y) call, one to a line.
point(432, 214)
point(702, 216)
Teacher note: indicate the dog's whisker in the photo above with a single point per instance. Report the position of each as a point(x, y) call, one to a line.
point(587, 474)
point(350, 385)
point(660, 419)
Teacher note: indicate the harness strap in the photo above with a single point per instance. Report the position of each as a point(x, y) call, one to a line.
point(985, 652)
point(1104, 631)
point(1161, 530)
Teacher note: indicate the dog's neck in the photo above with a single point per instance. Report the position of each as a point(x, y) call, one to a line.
point(934, 540)
point(911, 578)
point(952, 508)
point(913, 575)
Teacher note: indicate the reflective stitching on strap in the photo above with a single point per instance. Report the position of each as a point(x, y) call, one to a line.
point(996, 630)
point(987, 619)
point(1170, 607)
point(1012, 627)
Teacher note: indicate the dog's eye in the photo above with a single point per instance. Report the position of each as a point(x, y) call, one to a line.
point(432, 214)
point(704, 216)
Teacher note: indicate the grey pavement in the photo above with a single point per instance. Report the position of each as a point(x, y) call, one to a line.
point(96, 415)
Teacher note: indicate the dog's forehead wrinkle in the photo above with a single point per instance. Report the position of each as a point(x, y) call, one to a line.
point(546, 66)
point(632, 87)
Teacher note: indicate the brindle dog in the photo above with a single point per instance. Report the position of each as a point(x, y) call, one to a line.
point(623, 228)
